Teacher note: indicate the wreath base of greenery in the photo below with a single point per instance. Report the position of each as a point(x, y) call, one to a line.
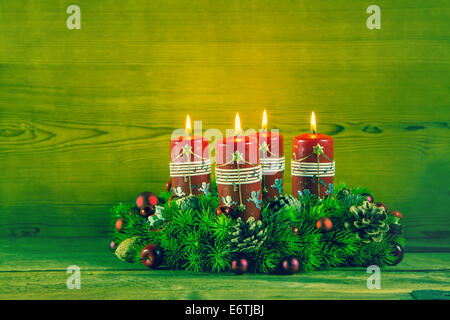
point(195, 238)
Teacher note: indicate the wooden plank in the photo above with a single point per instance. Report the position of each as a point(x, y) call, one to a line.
point(175, 285)
point(86, 115)
point(37, 270)
point(93, 254)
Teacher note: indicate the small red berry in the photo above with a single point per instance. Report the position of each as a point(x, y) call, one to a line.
point(396, 213)
point(169, 185)
point(119, 224)
point(381, 205)
point(291, 265)
point(368, 196)
point(174, 197)
point(324, 224)
point(239, 266)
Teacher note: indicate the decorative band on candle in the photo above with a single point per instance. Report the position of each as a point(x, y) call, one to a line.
point(272, 165)
point(238, 176)
point(311, 169)
point(194, 168)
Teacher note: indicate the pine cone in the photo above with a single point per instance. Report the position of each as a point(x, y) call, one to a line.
point(285, 202)
point(248, 237)
point(347, 198)
point(343, 193)
point(129, 249)
point(189, 202)
point(370, 222)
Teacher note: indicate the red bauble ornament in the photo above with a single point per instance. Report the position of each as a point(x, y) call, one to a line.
point(295, 230)
point(172, 198)
point(239, 265)
point(290, 265)
point(396, 213)
point(225, 210)
point(324, 224)
point(119, 224)
point(152, 256)
point(381, 205)
point(145, 212)
point(147, 201)
point(169, 185)
point(399, 253)
point(368, 196)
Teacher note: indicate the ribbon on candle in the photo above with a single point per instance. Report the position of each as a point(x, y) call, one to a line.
point(238, 176)
point(272, 165)
point(195, 168)
point(310, 169)
point(188, 169)
point(235, 176)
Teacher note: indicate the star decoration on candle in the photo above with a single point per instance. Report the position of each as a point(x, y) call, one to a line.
point(238, 157)
point(264, 147)
point(187, 149)
point(318, 149)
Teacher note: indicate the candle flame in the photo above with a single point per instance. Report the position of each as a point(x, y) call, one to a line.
point(313, 123)
point(237, 125)
point(188, 125)
point(264, 120)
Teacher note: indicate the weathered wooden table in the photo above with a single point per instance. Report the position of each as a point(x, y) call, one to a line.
point(37, 269)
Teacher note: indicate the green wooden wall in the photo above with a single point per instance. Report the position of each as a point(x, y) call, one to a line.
point(86, 115)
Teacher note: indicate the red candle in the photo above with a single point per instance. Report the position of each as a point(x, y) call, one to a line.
point(238, 174)
point(312, 164)
point(271, 158)
point(190, 166)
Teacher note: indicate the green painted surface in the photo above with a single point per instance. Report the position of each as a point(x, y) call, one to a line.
point(31, 272)
point(86, 115)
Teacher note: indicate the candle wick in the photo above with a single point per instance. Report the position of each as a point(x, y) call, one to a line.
point(314, 131)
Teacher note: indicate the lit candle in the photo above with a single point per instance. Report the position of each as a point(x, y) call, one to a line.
point(312, 164)
point(190, 166)
point(271, 157)
point(238, 174)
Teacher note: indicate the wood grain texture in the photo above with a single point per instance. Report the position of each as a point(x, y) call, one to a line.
point(28, 271)
point(86, 115)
